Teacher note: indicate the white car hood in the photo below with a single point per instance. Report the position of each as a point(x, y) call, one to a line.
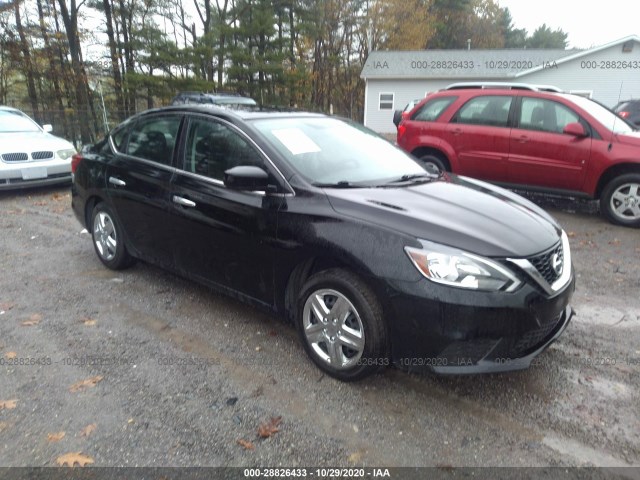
point(14, 142)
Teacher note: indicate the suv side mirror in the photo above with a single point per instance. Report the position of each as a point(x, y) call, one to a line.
point(397, 117)
point(47, 128)
point(246, 177)
point(575, 128)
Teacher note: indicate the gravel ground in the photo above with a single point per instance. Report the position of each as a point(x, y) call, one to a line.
point(142, 368)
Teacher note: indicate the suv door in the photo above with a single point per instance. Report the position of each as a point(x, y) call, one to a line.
point(137, 182)
point(540, 153)
point(479, 133)
point(222, 236)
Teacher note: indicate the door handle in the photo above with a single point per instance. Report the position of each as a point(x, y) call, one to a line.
point(457, 131)
point(523, 139)
point(117, 182)
point(185, 202)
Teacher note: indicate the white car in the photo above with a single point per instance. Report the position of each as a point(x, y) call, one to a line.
point(29, 154)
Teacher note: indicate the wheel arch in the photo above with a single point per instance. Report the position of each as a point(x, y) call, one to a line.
point(613, 172)
point(425, 150)
point(314, 264)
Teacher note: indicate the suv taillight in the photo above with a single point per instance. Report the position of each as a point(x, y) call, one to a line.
point(401, 131)
point(75, 161)
point(623, 114)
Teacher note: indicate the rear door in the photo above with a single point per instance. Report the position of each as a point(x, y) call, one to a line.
point(479, 133)
point(540, 154)
point(137, 181)
point(222, 236)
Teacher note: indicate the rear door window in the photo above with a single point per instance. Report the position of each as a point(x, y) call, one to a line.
point(431, 110)
point(154, 138)
point(489, 110)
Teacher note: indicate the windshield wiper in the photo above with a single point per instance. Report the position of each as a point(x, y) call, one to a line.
point(340, 184)
point(413, 177)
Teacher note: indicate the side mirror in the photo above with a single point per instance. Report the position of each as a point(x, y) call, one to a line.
point(246, 177)
point(397, 117)
point(47, 128)
point(576, 129)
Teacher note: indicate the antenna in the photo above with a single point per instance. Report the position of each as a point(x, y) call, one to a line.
point(613, 127)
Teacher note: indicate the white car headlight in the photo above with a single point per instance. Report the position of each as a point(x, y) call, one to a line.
point(67, 153)
point(457, 268)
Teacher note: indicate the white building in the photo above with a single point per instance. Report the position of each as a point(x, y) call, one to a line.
point(608, 74)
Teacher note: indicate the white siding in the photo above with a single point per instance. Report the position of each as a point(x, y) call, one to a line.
point(404, 91)
point(609, 85)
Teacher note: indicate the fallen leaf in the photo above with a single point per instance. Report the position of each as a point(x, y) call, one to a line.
point(89, 322)
point(7, 306)
point(8, 404)
point(571, 234)
point(355, 457)
point(87, 383)
point(615, 241)
point(10, 355)
point(70, 459)
point(88, 430)
point(265, 430)
point(246, 444)
point(33, 320)
point(3, 426)
point(55, 437)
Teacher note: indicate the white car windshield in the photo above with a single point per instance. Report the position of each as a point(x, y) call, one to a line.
point(330, 151)
point(12, 122)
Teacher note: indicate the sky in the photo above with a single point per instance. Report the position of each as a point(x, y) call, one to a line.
point(588, 23)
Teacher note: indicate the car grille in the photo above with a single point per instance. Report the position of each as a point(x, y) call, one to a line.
point(24, 156)
point(15, 157)
point(45, 155)
point(544, 263)
point(533, 338)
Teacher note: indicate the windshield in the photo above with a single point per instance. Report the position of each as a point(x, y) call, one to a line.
point(606, 117)
point(11, 121)
point(331, 151)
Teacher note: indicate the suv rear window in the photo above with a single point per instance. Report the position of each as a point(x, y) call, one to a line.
point(490, 110)
point(431, 110)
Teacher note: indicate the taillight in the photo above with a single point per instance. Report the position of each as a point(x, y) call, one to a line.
point(75, 161)
point(401, 131)
point(623, 114)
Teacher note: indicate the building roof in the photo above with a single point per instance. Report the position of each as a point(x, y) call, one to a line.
point(477, 64)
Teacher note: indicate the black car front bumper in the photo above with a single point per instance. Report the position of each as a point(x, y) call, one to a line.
point(448, 331)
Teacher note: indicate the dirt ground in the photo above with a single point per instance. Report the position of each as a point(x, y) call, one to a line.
point(142, 368)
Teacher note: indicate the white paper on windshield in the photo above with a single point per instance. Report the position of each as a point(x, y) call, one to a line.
point(296, 141)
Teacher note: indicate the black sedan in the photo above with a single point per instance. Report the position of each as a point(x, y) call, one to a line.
point(375, 260)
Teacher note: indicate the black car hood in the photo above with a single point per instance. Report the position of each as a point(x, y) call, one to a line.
point(455, 211)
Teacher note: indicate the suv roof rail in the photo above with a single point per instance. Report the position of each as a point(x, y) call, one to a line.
point(505, 85)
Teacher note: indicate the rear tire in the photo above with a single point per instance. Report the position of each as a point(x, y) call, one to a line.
point(341, 325)
point(620, 200)
point(433, 164)
point(108, 238)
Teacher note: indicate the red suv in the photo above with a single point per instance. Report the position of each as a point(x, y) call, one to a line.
point(523, 136)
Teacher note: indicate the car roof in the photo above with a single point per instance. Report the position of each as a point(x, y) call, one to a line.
point(241, 113)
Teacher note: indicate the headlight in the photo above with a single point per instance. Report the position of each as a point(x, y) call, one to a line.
point(457, 268)
point(64, 154)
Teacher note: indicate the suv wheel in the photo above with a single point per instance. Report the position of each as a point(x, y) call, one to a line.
point(433, 164)
point(620, 200)
point(341, 325)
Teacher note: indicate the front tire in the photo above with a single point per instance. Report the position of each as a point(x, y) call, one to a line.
point(341, 325)
point(620, 200)
point(108, 239)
